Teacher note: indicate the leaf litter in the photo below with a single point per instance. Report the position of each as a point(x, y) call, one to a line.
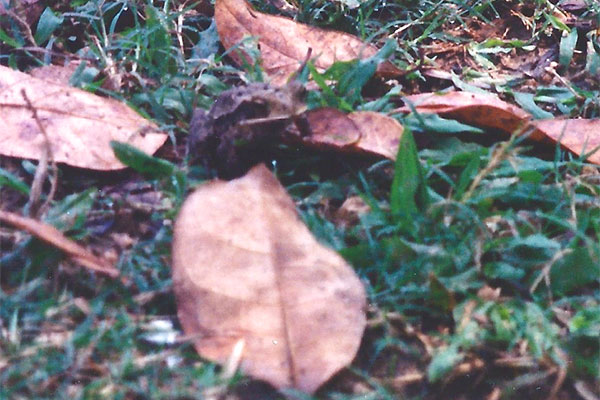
point(284, 43)
point(298, 306)
point(345, 136)
point(80, 125)
point(581, 136)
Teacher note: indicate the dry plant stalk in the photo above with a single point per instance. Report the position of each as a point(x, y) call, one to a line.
point(54, 237)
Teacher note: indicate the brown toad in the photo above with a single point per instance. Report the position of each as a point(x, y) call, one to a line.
point(241, 125)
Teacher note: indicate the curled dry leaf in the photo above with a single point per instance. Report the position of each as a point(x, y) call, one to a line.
point(54, 237)
point(358, 132)
point(284, 43)
point(577, 135)
point(482, 110)
point(246, 267)
point(80, 125)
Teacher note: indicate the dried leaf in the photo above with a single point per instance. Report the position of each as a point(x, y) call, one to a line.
point(380, 134)
point(54, 237)
point(330, 127)
point(284, 43)
point(482, 110)
point(581, 136)
point(350, 212)
point(246, 267)
point(54, 73)
point(577, 135)
point(80, 125)
point(357, 132)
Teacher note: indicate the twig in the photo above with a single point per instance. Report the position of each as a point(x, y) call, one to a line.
point(179, 27)
point(24, 24)
point(42, 169)
point(545, 273)
point(498, 156)
point(584, 391)
point(54, 237)
point(552, 70)
point(495, 394)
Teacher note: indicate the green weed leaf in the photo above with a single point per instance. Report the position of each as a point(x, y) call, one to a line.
point(138, 160)
point(408, 193)
point(567, 47)
point(526, 100)
point(586, 322)
point(10, 180)
point(46, 26)
point(467, 175)
point(574, 271)
point(443, 362)
point(435, 123)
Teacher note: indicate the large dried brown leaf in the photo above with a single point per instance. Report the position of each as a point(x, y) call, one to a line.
point(482, 110)
point(358, 132)
point(54, 237)
point(246, 268)
point(284, 43)
point(80, 125)
point(577, 135)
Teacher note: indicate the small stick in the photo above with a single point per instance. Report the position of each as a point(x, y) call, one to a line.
point(54, 237)
point(297, 73)
point(42, 169)
point(24, 24)
point(545, 273)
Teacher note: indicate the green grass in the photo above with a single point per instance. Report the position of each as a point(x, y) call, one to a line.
point(456, 214)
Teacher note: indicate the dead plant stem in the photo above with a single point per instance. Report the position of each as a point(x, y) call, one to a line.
point(41, 171)
point(499, 155)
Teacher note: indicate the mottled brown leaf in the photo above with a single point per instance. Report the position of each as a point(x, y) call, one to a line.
point(80, 125)
point(284, 43)
point(246, 268)
point(577, 135)
point(357, 132)
point(54, 237)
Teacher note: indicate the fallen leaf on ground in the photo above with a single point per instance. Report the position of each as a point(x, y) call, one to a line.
point(581, 136)
point(54, 237)
point(350, 212)
point(284, 43)
point(246, 267)
point(482, 110)
point(380, 134)
point(330, 127)
point(80, 125)
point(358, 132)
point(58, 74)
point(577, 135)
